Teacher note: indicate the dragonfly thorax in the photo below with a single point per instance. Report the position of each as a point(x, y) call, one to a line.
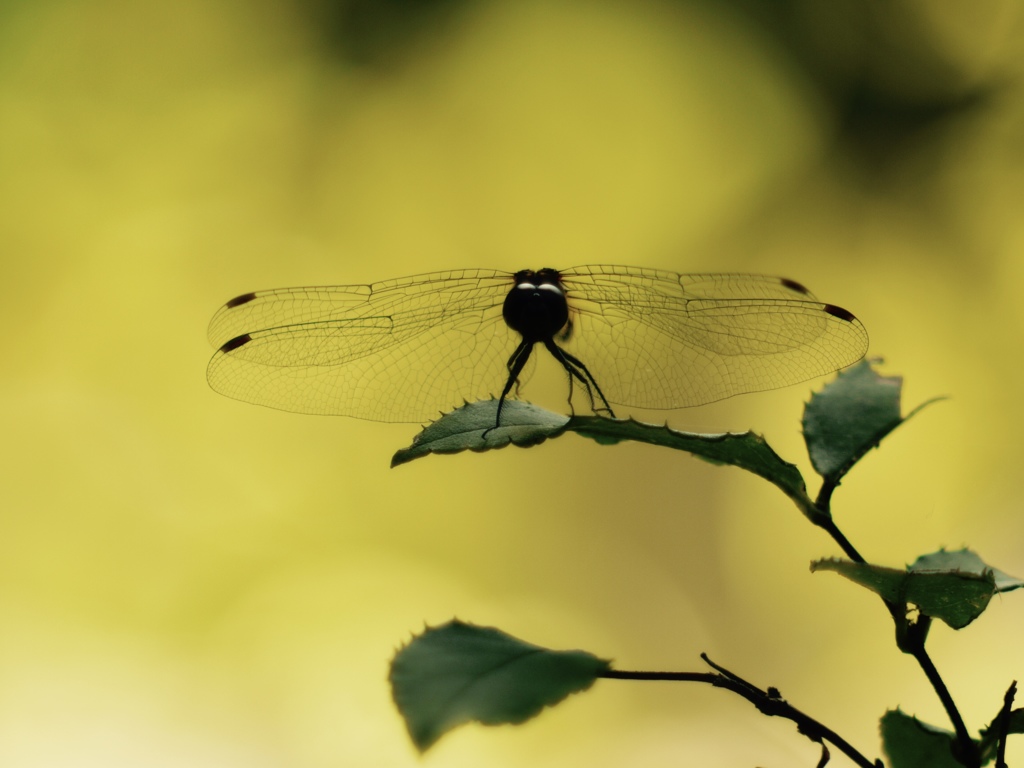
point(536, 307)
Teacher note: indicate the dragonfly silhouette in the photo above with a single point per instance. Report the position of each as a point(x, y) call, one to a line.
point(402, 350)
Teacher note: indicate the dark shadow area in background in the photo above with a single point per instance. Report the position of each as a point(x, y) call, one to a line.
point(877, 68)
point(380, 35)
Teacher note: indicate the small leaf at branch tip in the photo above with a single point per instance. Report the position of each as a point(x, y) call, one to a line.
point(457, 673)
point(851, 415)
point(953, 587)
point(967, 563)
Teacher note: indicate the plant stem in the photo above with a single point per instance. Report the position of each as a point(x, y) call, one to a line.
point(910, 637)
point(968, 749)
point(829, 525)
point(819, 513)
point(768, 702)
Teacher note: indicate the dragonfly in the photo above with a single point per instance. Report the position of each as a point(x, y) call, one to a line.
point(404, 350)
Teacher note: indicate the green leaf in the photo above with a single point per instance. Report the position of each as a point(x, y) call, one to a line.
point(953, 596)
point(523, 424)
point(472, 427)
point(745, 450)
point(458, 673)
point(849, 417)
point(909, 743)
point(954, 587)
point(965, 561)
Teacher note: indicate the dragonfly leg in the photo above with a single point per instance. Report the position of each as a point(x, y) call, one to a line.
point(515, 366)
point(577, 370)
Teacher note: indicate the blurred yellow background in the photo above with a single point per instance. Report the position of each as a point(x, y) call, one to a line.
point(190, 581)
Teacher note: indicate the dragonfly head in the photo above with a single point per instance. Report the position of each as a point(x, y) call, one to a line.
point(535, 306)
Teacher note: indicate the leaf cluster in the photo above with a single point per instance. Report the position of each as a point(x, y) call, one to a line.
point(457, 673)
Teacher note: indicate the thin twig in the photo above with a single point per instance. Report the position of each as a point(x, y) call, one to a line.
point(1004, 724)
point(767, 702)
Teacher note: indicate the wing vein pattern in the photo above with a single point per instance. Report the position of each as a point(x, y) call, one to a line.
point(406, 349)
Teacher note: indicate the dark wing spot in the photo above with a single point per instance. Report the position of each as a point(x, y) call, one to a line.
point(235, 343)
point(238, 301)
point(842, 314)
point(793, 285)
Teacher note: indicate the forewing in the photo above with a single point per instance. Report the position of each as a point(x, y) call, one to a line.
point(434, 294)
point(655, 339)
point(400, 350)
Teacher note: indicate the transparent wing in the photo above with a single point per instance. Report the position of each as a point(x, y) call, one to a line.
point(400, 350)
point(403, 350)
point(655, 339)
